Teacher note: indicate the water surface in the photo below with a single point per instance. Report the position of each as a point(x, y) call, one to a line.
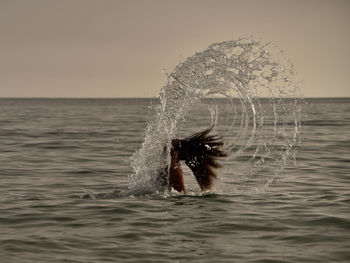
point(62, 160)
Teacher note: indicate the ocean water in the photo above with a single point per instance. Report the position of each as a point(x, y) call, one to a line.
point(64, 161)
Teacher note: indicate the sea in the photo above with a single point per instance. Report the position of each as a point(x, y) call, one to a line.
point(63, 163)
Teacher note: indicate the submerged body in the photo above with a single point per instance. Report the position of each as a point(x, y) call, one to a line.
point(200, 153)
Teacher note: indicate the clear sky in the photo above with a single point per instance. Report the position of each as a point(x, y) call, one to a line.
point(118, 48)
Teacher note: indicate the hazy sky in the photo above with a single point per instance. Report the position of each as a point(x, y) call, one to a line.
point(118, 48)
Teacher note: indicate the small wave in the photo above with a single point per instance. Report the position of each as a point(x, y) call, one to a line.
point(325, 123)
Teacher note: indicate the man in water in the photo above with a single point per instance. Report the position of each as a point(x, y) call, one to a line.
point(200, 153)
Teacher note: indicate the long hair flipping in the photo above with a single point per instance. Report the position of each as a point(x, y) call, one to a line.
point(200, 152)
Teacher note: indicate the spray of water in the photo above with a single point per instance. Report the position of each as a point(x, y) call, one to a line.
point(249, 91)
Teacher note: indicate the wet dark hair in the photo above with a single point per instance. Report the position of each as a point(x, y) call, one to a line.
point(200, 153)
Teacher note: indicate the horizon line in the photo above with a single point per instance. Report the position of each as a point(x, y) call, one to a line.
point(155, 97)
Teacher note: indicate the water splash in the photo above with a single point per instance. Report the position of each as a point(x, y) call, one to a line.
point(248, 90)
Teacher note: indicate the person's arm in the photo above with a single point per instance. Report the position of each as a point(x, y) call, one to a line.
point(176, 179)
